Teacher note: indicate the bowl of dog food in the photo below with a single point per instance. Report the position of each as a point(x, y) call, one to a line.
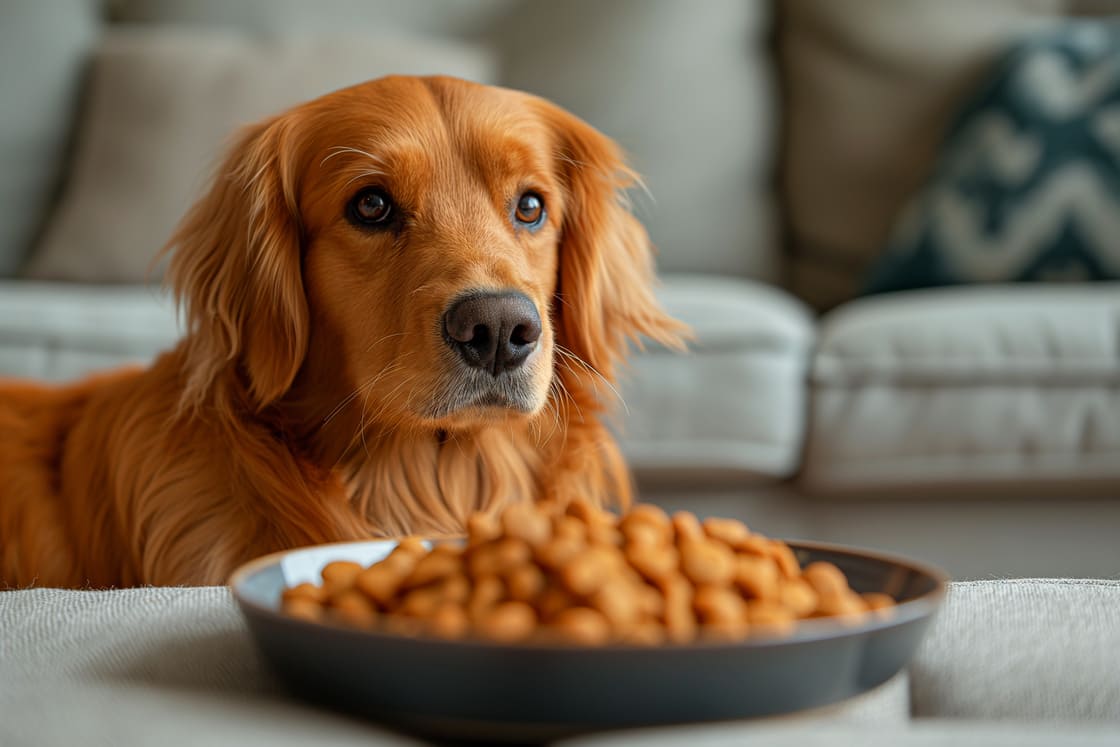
point(549, 620)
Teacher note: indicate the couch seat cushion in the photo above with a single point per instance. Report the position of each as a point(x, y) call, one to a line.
point(736, 401)
point(997, 385)
point(59, 331)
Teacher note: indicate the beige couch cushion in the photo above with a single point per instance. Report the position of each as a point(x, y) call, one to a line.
point(60, 331)
point(1004, 386)
point(688, 93)
point(735, 404)
point(44, 47)
point(162, 103)
point(870, 88)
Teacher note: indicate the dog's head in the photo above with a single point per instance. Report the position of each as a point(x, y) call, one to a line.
point(427, 251)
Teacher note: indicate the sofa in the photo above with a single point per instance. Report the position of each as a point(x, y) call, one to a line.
point(976, 427)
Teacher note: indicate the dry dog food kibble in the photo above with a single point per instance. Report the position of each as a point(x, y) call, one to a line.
point(578, 575)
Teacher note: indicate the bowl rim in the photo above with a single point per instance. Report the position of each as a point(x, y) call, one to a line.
point(808, 630)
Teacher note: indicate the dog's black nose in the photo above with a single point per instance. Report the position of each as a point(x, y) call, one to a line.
point(493, 331)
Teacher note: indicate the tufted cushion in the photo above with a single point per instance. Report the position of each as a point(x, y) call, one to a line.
point(736, 402)
point(1027, 184)
point(688, 95)
point(1004, 386)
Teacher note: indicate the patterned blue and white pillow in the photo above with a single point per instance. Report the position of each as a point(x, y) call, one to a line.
point(1027, 186)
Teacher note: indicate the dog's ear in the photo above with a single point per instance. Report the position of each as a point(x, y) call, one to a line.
point(235, 271)
point(606, 286)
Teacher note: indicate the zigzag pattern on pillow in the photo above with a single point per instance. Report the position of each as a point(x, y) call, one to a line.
point(1027, 187)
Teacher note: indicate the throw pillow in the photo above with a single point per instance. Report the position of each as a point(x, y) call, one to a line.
point(1027, 184)
point(163, 103)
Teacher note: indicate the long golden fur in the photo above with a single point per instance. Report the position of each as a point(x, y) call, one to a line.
point(313, 397)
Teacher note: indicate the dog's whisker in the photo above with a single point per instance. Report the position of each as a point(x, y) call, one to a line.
point(389, 336)
point(364, 387)
point(568, 354)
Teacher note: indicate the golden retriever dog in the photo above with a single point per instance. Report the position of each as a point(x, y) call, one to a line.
point(406, 301)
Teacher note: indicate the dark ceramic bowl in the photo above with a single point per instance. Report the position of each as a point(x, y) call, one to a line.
point(491, 692)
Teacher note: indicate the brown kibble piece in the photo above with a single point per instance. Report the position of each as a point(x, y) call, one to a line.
point(559, 551)
point(508, 622)
point(756, 576)
point(799, 597)
point(411, 546)
point(354, 608)
point(754, 544)
point(525, 583)
point(304, 591)
point(580, 625)
point(488, 591)
point(718, 604)
point(586, 573)
point(553, 601)
point(768, 617)
point(585, 511)
point(846, 604)
point(482, 528)
point(603, 534)
point(511, 552)
point(786, 560)
point(618, 602)
point(569, 527)
point(304, 609)
point(654, 563)
point(825, 578)
point(421, 602)
point(435, 566)
point(380, 583)
point(647, 525)
point(686, 526)
point(680, 622)
point(646, 633)
point(881, 605)
point(340, 574)
point(409, 627)
point(644, 535)
point(523, 521)
point(707, 562)
point(455, 588)
point(449, 621)
point(724, 631)
point(728, 531)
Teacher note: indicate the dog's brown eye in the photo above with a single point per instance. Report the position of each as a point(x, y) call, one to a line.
point(530, 209)
point(371, 207)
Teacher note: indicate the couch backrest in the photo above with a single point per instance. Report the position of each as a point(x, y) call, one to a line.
point(688, 94)
point(44, 46)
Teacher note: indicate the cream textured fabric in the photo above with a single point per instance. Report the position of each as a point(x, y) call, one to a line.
point(176, 666)
point(1023, 649)
point(688, 94)
point(58, 331)
point(918, 734)
point(752, 340)
point(870, 87)
point(64, 713)
point(967, 386)
point(162, 105)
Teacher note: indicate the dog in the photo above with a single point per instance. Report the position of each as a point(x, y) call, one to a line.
point(404, 302)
